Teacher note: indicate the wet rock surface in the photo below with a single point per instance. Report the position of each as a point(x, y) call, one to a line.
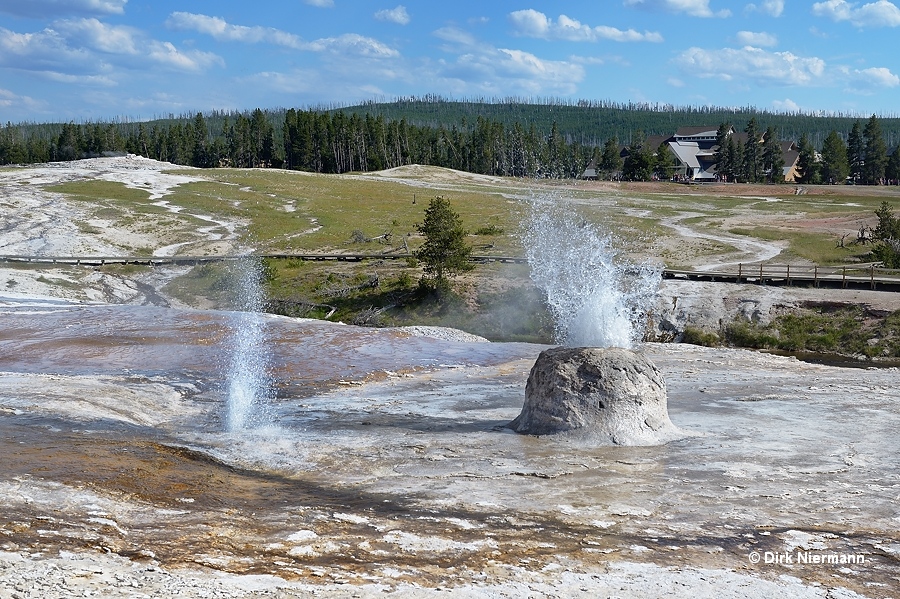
point(605, 396)
point(382, 469)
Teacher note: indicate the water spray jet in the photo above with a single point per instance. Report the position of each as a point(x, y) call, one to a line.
point(596, 389)
point(249, 385)
point(596, 299)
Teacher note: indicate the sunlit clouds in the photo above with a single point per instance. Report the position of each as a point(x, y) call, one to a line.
point(70, 58)
point(532, 23)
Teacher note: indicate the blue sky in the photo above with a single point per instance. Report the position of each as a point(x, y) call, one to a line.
point(87, 60)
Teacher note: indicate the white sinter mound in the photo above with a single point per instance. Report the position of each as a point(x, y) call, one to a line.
point(609, 396)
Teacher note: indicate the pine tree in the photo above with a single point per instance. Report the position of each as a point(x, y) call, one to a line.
point(834, 159)
point(856, 153)
point(611, 161)
point(70, 143)
point(444, 254)
point(664, 163)
point(143, 145)
point(733, 159)
point(887, 234)
point(892, 171)
point(888, 225)
point(773, 157)
point(752, 162)
point(874, 153)
point(260, 129)
point(555, 152)
point(638, 164)
point(288, 134)
point(199, 155)
point(723, 134)
point(807, 167)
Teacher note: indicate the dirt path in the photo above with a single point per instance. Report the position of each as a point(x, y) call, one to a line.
point(751, 250)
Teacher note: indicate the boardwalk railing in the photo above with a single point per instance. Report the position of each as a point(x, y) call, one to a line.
point(867, 276)
point(871, 276)
point(194, 260)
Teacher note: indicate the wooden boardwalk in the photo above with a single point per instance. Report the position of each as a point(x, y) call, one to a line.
point(856, 276)
point(194, 260)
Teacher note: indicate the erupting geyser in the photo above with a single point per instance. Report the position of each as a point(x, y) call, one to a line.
point(597, 389)
point(596, 300)
point(248, 371)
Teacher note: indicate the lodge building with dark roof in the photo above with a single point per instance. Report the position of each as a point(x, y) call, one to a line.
point(695, 150)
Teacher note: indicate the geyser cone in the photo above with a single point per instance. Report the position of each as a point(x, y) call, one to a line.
point(609, 396)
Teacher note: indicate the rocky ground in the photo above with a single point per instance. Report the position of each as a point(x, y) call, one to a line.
point(95, 575)
point(400, 483)
point(35, 220)
point(710, 305)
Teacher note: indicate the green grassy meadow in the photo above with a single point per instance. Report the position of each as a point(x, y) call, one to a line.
point(293, 212)
point(286, 212)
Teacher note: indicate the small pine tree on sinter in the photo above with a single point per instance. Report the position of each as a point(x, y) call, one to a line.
point(445, 253)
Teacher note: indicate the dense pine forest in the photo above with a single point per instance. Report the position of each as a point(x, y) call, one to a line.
point(593, 122)
point(512, 137)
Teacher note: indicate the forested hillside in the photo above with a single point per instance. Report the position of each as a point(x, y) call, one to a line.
point(511, 138)
point(593, 122)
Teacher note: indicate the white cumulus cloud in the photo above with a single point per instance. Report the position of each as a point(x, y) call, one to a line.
point(91, 81)
point(751, 64)
point(394, 15)
point(100, 36)
point(58, 8)
point(90, 52)
point(9, 100)
point(866, 81)
point(43, 52)
point(753, 38)
point(219, 29)
point(353, 44)
point(165, 53)
point(600, 60)
point(769, 7)
point(349, 43)
point(476, 67)
point(694, 8)
point(531, 23)
point(786, 105)
point(875, 14)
